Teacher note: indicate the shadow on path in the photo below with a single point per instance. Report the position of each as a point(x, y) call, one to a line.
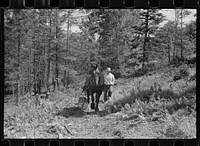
point(71, 111)
point(79, 112)
point(100, 113)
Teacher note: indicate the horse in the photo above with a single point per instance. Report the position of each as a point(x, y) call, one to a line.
point(94, 84)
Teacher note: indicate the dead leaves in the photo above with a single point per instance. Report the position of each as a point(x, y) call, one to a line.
point(60, 130)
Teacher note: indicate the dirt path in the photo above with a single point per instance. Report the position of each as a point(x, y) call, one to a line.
point(86, 123)
point(61, 117)
point(89, 124)
point(67, 120)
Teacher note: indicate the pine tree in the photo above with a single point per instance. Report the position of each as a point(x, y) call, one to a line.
point(150, 20)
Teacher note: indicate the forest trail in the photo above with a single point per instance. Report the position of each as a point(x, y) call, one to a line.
point(68, 120)
point(60, 116)
point(43, 46)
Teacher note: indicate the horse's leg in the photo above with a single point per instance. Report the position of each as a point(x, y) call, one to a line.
point(105, 93)
point(97, 103)
point(98, 94)
point(88, 96)
point(92, 104)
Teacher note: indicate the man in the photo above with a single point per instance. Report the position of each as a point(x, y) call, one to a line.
point(109, 81)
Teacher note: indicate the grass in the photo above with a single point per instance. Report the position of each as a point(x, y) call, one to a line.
point(29, 118)
point(137, 109)
point(175, 106)
point(166, 97)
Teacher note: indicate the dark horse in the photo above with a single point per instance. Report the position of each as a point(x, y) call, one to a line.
point(94, 84)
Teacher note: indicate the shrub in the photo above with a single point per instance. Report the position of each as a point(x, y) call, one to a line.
point(152, 65)
point(117, 73)
point(168, 94)
point(184, 72)
point(193, 77)
point(189, 92)
point(137, 73)
point(144, 95)
point(181, 74)
point(177, 61)
point(191, 59)
point(177, 77)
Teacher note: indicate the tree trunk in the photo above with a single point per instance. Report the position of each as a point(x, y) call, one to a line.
point(56, 68)
point(39, 79)
point(69, 36)
point(175, 34)
point(174, 37)
point(29, 69)
point(18, 76)
point(68, 79)
point(18, 89)
point(34, 74)
point(169, 51)
point(44, 70)
point(48, 55)
point(28, 85)
point(67, 47)
point(64, 78)
point(23, 87)
point(13, 90)
point(145, 39)
point(176, 52)
point(181, 34)
point(30, 81)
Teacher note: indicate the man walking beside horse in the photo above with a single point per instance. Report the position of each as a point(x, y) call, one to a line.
point(109, 81)
point(96, 82)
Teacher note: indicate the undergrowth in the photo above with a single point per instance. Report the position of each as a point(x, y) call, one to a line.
point(155, 106)
point(32, 116)
point(172, 104)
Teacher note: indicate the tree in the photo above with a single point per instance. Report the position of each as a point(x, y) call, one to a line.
point(179, 15)
point(183, 14)
point(189, 38)
point(56, 66)
point(163, 41)
point(150, 20)
point(67, 49)
point(113, 28)
point(16, 29)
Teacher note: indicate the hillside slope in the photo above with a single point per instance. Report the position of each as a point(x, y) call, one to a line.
point(171, 115)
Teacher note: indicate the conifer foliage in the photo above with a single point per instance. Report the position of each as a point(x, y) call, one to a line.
point(43, 49)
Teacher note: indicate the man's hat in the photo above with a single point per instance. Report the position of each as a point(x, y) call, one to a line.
point(108, 69)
